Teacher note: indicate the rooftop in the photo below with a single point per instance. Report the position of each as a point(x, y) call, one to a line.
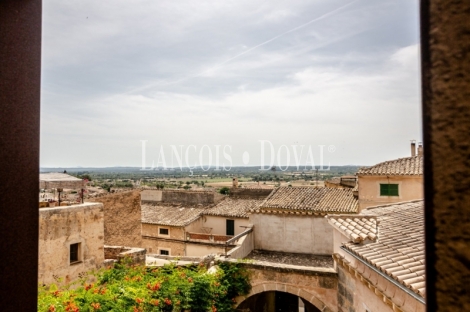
point(233, 207)
point(357, 228)
point(401, 166)
point(59, 180)
point(309, 200)
point(169, 214)
point(263, 256)
point(399, 249)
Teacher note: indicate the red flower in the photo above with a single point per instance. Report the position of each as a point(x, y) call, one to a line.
point(167, 301)
point(153, 287)
point(190, 279)
point(96, 305)
point(139, 300)
point(51, 308)
point(155, 302)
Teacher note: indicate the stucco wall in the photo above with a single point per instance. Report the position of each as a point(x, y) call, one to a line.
point(245, 245)
point(122, 218)
point(58, 229)
point(218, 225)
point(292, 233)
point(409, 188)
point(199, 250)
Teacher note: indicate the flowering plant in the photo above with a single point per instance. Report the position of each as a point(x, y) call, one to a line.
point(126, 287)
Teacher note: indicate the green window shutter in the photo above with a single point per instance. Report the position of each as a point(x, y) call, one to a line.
point(230, 227)
point(393, 189)
point(383, 189)
point(388, 189)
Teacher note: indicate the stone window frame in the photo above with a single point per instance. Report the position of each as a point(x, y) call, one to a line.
point(386, 181)
point(164, 228)
point(79, 253)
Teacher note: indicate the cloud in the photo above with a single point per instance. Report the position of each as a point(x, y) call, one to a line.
point(217, 72)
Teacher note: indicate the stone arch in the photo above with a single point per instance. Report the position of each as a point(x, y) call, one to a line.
point(287, 288)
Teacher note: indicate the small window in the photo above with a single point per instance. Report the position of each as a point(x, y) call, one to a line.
point(164, 252)
point(164, 231)
point(388, 189)
point(230, 227)
point(75, 253)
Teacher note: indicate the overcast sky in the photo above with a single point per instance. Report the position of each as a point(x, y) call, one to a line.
point(336, 73)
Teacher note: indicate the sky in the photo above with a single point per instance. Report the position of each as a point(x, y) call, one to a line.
point(143, 82)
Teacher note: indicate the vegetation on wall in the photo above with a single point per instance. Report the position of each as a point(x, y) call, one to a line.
point(134, 288)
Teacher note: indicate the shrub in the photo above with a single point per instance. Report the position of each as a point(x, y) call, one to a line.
point(127, 287)
point(224, 190)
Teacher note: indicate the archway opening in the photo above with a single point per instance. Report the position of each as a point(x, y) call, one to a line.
point(276, 301)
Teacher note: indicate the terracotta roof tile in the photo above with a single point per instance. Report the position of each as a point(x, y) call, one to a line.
point(234, 207)
point(401, 166)
point(400, 242)
point(310, 200)
point(170, 215)
point(357, 228)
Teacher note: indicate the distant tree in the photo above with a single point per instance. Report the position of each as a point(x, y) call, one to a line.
point(186, 187)
point(225, 190)
point(85, 176)
point(187, 182)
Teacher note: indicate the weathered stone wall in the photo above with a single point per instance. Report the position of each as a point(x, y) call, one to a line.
point(153, 241)
point(315, 285)
point(122, 218)
point(249, 193)
point(346, 289)
point(153, 245)
point(152, 230)
point(119, 253)
point(361, 288)
point(58, 229)
point(182, 197)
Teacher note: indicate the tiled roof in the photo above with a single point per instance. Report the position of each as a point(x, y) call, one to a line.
point(170, 215)
point(399, 249)
point(234, 207)
point(357, 228)
point(401, 166)
point(310, 200)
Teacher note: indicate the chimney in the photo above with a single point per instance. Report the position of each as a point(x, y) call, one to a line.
point(413, 148)
point(420, 149)
point(235, 182)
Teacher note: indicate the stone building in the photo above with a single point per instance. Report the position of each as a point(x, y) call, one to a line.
point(391, 181)
point(71, 240)
point(342, 182)
point(291, 219)
point(379, 256)
point(189, 228)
